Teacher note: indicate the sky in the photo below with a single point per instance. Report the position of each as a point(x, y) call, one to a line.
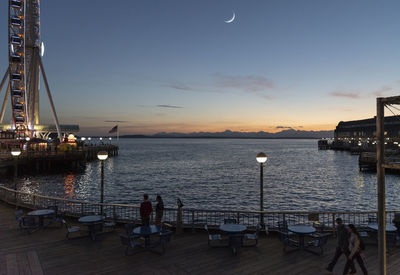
point(176, 66)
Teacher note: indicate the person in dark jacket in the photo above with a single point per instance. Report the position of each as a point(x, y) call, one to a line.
point(145, 210)
point(355, 249)
point(159, 210)
point(342, 246)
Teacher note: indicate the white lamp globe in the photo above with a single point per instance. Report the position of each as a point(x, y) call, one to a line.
point(261, 157)
point(102, 155)
point(15, 152)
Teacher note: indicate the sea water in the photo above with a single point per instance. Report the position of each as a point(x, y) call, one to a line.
point(224, 174)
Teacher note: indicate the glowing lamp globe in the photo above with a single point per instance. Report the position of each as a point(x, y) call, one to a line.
point(102, 155)
point(71, 138)
point(261, 157)
point(15, 152)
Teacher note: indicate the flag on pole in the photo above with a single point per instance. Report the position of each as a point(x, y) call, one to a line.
point(114, 129)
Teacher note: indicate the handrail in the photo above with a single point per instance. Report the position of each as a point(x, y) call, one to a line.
point(192, 218)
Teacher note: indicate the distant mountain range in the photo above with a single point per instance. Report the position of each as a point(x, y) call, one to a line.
point(290, 133)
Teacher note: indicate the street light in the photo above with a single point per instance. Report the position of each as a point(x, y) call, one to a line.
point(261, 159)
point(15, 152)
point(102, 156)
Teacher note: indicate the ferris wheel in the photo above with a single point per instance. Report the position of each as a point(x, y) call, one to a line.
point(25, 51)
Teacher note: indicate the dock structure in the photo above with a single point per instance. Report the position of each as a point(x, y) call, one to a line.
point(53, 159)
point(360, 135)
point(47, 251)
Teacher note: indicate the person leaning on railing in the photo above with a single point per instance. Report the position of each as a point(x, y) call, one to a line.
point(145, 210)
point(159, 210)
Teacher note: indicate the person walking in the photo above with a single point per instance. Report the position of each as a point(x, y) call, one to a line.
point(145, 210)
point(159, 210)
point(342, 246)
point(355, 247)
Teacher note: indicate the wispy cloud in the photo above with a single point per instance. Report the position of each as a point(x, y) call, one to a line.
point(382, 91)
point(119, 121)
point(221, 83)
point(339, 109)
point(283, 127)
point(180, 86)
point(169, 106)
point(250, 83)
point(353, 95)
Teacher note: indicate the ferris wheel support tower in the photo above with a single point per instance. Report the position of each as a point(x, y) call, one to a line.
point(25, 63)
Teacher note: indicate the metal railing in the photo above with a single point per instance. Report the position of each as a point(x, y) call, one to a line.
point(191, 218)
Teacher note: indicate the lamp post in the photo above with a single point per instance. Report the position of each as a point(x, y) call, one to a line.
point(15, 152)
point(261, 159)
point(102, 156)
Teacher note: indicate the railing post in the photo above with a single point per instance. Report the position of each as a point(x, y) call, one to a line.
point(179, 221)
point(193, 220)
point(333, 224)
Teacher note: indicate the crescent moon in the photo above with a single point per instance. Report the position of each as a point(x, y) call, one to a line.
point(231, 20)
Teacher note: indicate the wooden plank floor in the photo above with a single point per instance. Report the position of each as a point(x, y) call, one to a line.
point(48, 252)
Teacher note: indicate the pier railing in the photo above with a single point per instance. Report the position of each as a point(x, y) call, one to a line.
point(190, 218)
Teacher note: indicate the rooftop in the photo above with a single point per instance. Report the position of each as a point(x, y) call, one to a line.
point(48, 252)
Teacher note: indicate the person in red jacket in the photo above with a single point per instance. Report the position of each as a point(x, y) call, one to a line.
point(145, 210)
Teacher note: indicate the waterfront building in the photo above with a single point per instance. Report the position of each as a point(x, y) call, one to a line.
point(366, 128)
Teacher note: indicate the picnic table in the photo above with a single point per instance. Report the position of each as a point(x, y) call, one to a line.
point(41, 213)
point(235, 234)
point(94, 223)
point(302, 231)
point(146, 231)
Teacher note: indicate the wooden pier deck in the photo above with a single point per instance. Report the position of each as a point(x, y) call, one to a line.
point(48, 252)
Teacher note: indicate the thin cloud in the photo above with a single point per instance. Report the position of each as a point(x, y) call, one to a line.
point(169, 106)
point(250, 83)
point(340, 109)
point(119, 121)
point(179, 86)
point(354, 95)
point(382, 91)
point(283, 127)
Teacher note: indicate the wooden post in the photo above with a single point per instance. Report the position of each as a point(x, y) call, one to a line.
point(333, 224)
point(380, 154)
point(179, 225)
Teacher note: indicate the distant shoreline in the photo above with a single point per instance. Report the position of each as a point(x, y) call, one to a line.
point(208, 137)
point(285, 134)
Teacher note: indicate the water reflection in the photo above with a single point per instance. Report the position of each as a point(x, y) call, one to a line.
point(69, 187)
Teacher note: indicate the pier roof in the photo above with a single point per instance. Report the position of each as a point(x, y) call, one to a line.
point(70, 128)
